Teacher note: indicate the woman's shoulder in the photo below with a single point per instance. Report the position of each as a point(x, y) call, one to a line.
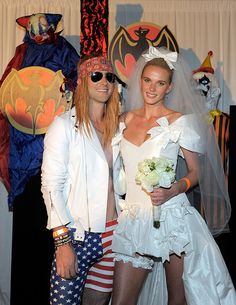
point(180, 119)
point(125, 117)
point(172, 116)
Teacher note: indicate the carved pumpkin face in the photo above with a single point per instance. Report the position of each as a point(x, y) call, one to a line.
point(30, 98)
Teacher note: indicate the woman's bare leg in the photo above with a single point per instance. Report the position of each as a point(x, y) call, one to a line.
point(93, 297)
point(128, 282)
point(175, 285)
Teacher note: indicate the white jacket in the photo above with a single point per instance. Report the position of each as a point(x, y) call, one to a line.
point(75, 176)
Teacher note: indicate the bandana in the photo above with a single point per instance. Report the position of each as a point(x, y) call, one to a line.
point(93, 65)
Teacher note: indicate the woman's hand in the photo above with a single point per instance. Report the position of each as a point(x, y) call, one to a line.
point(66, 261)
point(159, 195)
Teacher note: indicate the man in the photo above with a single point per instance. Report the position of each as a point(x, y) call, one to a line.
point(79, 162)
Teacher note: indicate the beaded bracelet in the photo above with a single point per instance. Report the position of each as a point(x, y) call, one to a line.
point(188, 183)
point(63, 241)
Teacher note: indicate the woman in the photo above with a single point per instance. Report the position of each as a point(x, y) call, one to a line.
point(165, 119)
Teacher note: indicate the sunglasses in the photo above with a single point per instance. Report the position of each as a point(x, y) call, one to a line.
point(97, 76)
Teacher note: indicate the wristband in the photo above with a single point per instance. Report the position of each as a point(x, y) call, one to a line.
point(188, 183)
point(60, 237)
point(59, 232)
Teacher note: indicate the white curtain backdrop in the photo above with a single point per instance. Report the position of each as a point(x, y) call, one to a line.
point(11, 34)
point(198, 26)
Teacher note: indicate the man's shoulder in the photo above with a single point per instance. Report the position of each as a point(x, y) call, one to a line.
point(67, 116)
point(65, 121)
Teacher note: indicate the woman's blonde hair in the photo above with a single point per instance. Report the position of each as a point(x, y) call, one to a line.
point(160, 62)
point(111, 113)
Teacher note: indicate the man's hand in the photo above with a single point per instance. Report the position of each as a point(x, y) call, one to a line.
point(66, 261)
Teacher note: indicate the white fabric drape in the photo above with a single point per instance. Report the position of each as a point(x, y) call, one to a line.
point(198, 26)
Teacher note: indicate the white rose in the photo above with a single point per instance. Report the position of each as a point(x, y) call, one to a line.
point(165, 180)
point(152, 178)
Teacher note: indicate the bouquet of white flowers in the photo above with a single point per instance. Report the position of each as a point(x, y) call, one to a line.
point(155, 172)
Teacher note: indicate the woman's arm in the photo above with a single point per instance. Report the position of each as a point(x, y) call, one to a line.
point(161, 195)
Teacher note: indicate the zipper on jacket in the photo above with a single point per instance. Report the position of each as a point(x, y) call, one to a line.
point(50, 199)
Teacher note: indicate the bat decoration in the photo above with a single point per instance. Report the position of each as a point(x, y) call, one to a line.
point(125, 48)
point(31, 97)
point(37, 84)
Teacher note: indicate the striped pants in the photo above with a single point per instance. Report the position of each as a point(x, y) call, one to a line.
point(96, 268)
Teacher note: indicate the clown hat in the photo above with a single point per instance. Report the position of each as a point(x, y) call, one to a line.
point(206, 65)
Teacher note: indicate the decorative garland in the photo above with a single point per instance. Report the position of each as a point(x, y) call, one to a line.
point(94, 27)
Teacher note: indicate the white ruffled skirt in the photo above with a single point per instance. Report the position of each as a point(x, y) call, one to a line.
point(182, 229)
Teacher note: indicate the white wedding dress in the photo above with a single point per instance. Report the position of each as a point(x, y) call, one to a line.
point(182, 229)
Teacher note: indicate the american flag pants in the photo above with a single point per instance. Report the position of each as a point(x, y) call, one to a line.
point(96, 268)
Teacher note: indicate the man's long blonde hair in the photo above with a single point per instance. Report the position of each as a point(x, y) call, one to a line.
point(111, 113)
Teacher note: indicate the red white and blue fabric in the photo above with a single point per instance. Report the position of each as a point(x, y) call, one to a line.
point(100, 276)
point(95, 261)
